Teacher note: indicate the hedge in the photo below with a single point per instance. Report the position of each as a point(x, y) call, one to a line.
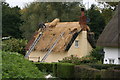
point(89, 71)
point(105, 66)
point(65, 70)
point(111, 74)
point(45, 67)
point(85, 72)
point(55, 69)
point(61, 70)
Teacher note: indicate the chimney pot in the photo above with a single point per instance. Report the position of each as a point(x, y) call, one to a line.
point(82, 9)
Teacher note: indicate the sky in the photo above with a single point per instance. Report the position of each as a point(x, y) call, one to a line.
point(19, 3)
point(22, 3)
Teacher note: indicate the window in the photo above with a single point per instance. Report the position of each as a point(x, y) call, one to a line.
point(111, 61)
point(76, 43)
point(105, 60)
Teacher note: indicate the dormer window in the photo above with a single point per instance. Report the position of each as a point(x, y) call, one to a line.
point(76, 43)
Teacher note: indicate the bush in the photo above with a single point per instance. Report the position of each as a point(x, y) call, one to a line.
point(77, 60)
point(45, 67)
point(72, 59)
point(65, 70)
point(14, 45)
point(88, 59)
point(97, 53)
point(15, 66)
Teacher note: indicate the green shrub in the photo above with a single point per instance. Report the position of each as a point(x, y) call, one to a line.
point(87, 59)
point(96, 53)
point(65, 70)
point(14, 45)
point(77, 60)
point(15, 66)
point(45, 67)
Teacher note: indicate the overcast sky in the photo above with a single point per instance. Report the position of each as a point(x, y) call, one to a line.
point(22, 3)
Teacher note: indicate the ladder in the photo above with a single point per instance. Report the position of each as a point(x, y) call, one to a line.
point(54, 44)
point(33, 45)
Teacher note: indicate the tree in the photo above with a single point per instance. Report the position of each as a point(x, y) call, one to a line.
point(112, 4)
point(14, 45)
point(107, 14)
point(10, 21)
point(108, 10)
point(37, 12)
point(97, 21)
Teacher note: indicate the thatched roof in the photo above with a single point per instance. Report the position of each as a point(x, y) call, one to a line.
point(110, 36)
point(50, 35)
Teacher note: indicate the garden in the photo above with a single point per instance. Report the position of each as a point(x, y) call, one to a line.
point(14, 65)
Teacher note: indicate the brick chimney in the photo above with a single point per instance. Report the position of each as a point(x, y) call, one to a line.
point(82, 12)
point(83, 20)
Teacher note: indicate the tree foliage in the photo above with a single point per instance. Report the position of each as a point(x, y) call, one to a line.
point(14, 45)
point(10, 21)
point(97, 21)
point(112, 4)
point(37, 12)
point(15, 66)
point(108, 10)
point(107, 14)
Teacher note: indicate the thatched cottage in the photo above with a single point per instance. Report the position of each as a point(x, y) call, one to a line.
point(110, 40)
point(59, 40)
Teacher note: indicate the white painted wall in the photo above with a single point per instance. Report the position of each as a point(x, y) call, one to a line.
point(111, 54)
